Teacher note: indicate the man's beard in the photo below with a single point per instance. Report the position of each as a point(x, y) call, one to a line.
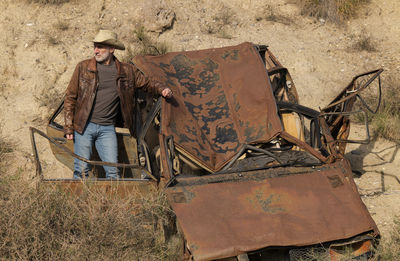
point(102, 58)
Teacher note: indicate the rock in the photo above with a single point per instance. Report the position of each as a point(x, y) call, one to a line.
point(159, 19)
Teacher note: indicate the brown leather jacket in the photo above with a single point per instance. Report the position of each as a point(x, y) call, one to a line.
point(82, 89)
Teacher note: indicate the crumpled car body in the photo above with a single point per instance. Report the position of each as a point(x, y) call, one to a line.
point(249, 172)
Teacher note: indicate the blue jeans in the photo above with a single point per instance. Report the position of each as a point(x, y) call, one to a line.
point(105, 140)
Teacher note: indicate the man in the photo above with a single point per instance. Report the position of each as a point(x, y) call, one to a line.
point(99, 88)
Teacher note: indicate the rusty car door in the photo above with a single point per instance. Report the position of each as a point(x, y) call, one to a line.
point(353, 99)
point(63, 148)
point(223, 216)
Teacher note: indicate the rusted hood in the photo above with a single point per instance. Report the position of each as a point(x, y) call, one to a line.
point(251, 212)
point(222, 100)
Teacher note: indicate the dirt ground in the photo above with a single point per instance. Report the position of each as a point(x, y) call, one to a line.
point(40, 46)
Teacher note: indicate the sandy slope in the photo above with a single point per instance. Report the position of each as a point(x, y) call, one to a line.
point(38, 57)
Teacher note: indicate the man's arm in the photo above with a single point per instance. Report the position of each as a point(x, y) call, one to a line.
point(71, 95)
point(142, 81)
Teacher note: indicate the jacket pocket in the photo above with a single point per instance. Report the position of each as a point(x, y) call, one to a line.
point(84, 82)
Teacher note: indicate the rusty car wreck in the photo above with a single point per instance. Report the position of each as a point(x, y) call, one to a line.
point(249, 172)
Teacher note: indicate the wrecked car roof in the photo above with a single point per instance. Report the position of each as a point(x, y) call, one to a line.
point(222, 100)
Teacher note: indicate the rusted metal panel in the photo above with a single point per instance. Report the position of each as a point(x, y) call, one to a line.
point(222, 100)
point(231, 218)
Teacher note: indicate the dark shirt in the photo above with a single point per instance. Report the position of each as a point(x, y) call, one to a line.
point(106, 103)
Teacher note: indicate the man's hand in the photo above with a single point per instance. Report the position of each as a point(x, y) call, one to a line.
point(166, 93)
point(69, 136)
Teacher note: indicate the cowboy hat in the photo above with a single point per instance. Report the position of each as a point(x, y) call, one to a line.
point(108, 37)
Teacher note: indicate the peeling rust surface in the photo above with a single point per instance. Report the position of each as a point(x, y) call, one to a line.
point(216, 94)
point(230, 218)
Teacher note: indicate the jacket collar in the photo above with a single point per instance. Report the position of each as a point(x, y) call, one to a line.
point(93, 66)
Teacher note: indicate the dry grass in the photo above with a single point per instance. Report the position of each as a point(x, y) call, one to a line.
point(61, 25)
point(363, 42)
point(46, 224)
point(269, 13)
point(6, 147)
point(335, 11)
point(220, 23)
point(7, 75)
point(386, 123)
point(52, 41)
point(224, 17)
point(45, 2)
point(144, 45)
point(390, 250)
point(224, 34)
point(385, 251)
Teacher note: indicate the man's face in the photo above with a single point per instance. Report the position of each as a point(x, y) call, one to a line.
point(102, 53)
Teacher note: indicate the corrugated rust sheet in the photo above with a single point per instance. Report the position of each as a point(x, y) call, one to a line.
point(226, 219)
point(222, 100)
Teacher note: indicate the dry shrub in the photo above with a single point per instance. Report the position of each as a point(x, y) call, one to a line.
point(148, 46)
point(220, 23)
point(386, 122)
point(6, 147)
point(45, 2)
point(45, 223)
point(61, 25)
point(144, 45)
point(224, 34)
point(52, 41)
point(335, 11)
point(363, 42)
point(224, 17)
point(390, 250)
point(310, 254)
point(269, 13)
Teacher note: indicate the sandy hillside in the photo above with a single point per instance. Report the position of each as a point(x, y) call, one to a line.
point(40, 46)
